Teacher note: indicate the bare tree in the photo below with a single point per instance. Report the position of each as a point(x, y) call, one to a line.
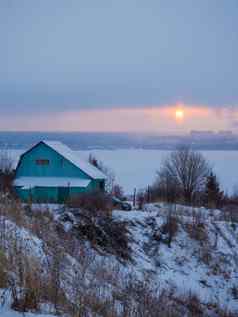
point(110, 180)
point(6, 171)
point(6, 162)
point(110, 176)
point(165, 187)
point(118, 191)
point(187, 171)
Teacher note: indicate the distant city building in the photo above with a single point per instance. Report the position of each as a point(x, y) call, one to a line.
point(225, 133)
point(211, 134)
point(199, 134)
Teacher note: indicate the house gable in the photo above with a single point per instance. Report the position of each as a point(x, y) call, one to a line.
point(43, 161)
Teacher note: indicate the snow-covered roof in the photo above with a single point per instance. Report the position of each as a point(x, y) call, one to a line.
point(70, 155)
point(31, 182)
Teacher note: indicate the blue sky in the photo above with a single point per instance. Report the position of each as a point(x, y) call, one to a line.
point(68, 57)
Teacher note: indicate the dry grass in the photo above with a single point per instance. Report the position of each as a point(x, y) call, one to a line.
point(197, 232)
point(93, 287)
point(170, 228)
point(36, 287)
point(93, 202)
point(197, 229)
point(3, 270)
point(12, 209)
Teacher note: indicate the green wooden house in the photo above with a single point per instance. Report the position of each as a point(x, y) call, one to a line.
point(52, 172)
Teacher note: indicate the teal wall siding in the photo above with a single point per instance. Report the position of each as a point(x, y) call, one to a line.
point(97, 184)
point(44, 194)
point(58, 165)
point(38, 194)
point(23, 194)
point(49, 194)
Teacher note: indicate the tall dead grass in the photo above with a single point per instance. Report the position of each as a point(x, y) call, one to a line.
point(77, 280)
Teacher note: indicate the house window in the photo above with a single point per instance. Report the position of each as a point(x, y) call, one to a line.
point(42, 162)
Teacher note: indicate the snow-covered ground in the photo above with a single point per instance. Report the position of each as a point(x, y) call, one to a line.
point(136, 168)
point(6, 311)
point(207, 267)
point(10, 313)
point(182, 266)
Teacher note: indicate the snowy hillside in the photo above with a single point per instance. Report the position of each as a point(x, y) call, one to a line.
point(176, 256)
point(206, 265)
point(11, 313)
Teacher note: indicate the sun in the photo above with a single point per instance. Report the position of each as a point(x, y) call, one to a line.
point(179, 114)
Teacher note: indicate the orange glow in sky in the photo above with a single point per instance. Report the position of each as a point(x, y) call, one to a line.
point(177, 118)
point(179, 114)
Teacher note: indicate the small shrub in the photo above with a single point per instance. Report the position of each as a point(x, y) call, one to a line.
point(3, 270)
point(234, 291)
point(118, 192)
point(170, 228)
point(12, 209)
point(225, 312)
point(205, 254)
point(92, 202)
point(26, 287)
point(230, 213)
point(197, 232)
point(104, 232)
point(197, 229)
point(141, 199)
point(194, 306)
point(28, 301)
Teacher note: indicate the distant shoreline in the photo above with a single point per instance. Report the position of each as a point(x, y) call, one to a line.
point(113, 141)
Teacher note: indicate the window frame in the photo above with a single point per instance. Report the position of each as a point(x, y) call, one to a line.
point(42, 162)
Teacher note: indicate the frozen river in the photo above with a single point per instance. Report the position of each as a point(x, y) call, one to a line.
point(137, 168)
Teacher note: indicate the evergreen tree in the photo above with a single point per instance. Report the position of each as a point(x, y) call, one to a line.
point(213, 194)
